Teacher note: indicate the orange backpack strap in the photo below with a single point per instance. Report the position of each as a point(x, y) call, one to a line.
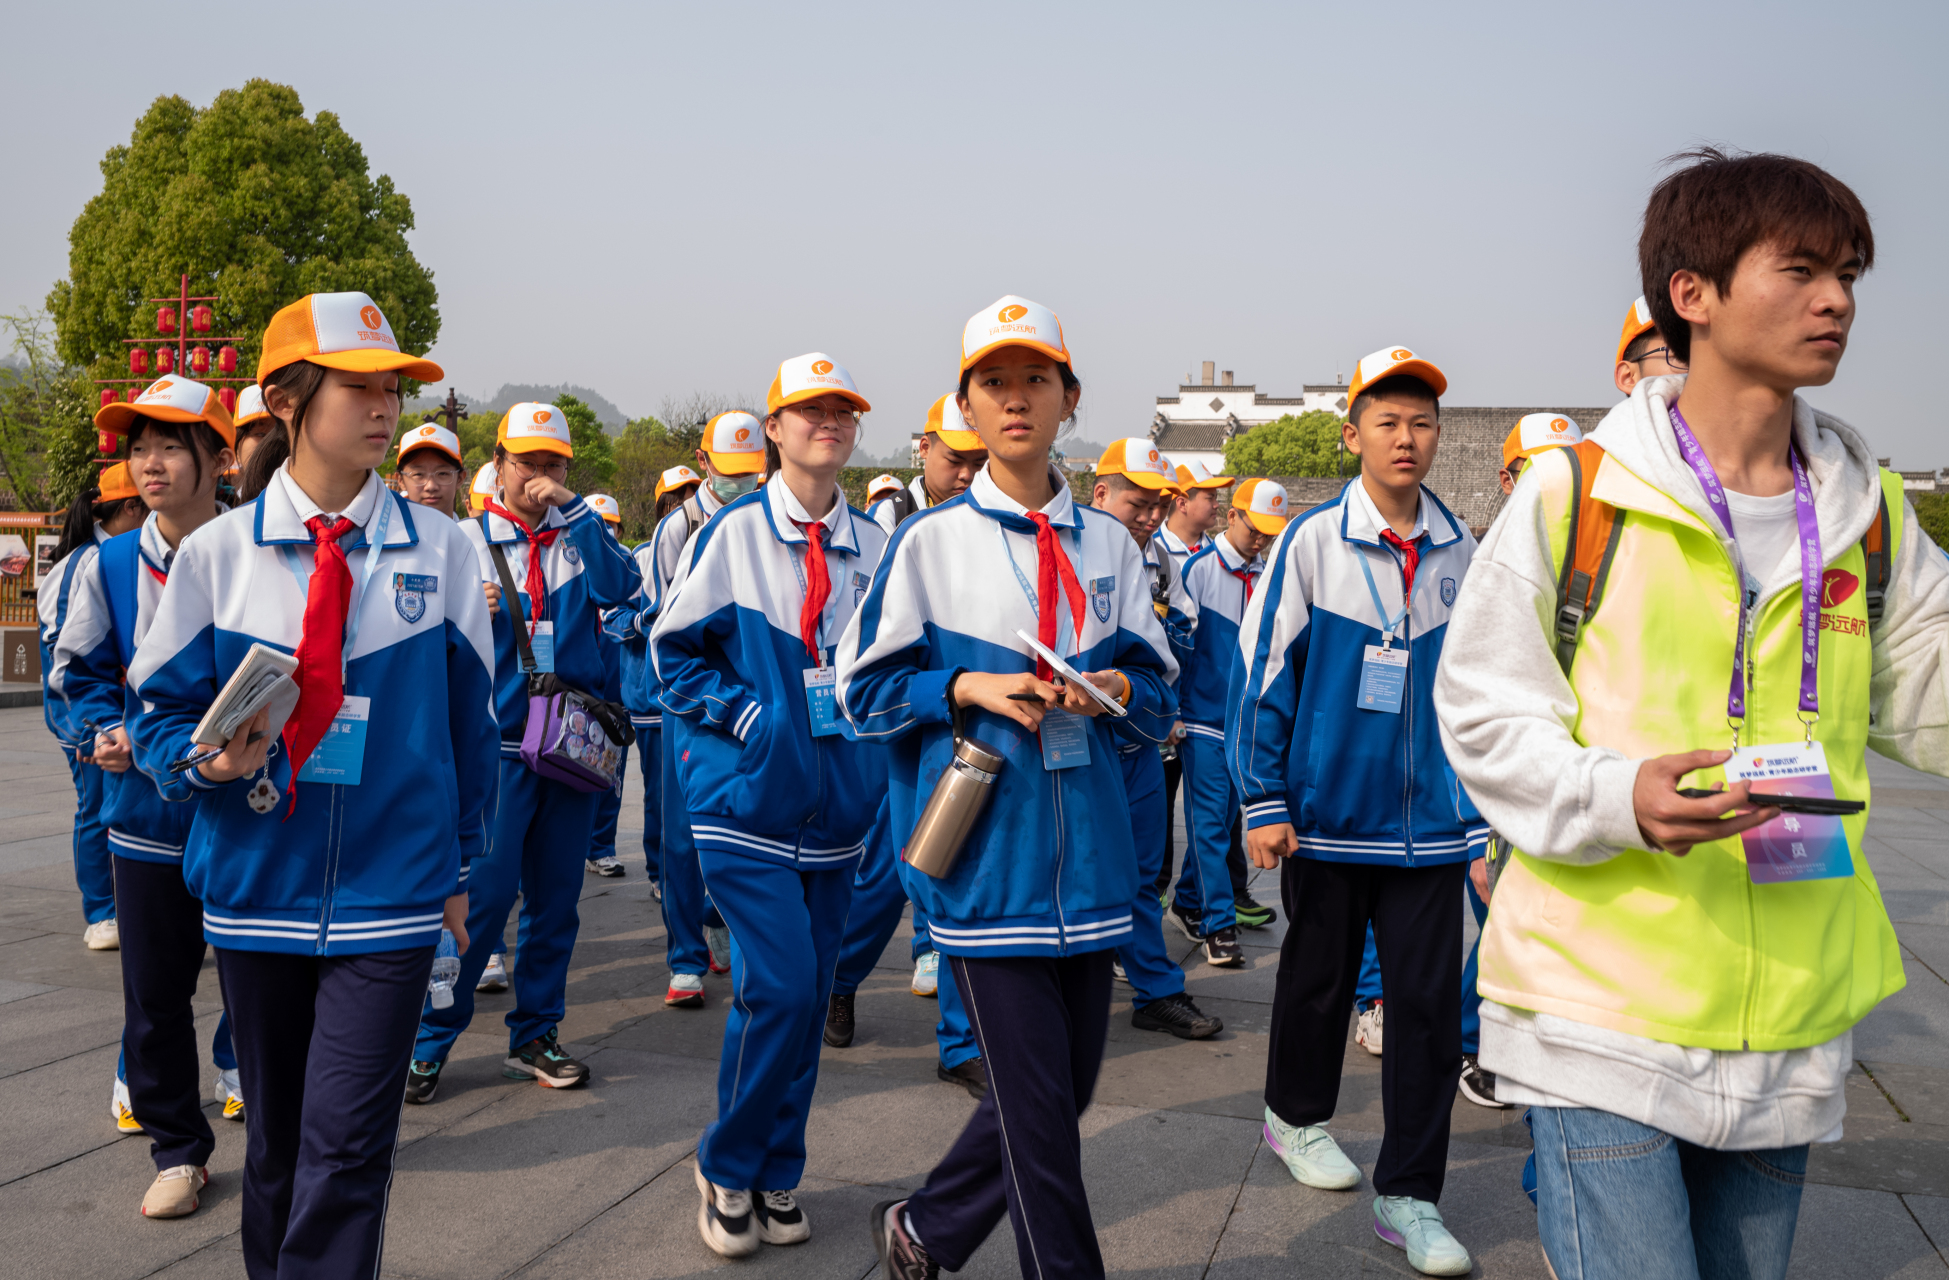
point(1588, 551)
point(1874, 547)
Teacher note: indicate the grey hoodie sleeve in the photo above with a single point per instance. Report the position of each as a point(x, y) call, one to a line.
point(1909, 695)
point(1505, 707)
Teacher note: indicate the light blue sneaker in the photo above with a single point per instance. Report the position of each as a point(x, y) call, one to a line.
point(1416, 1225)
point(1311, 1154)
point(927, 975)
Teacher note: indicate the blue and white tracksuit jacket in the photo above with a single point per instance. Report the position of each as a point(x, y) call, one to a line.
point(729, 657)
point(1358, 785)
point(357, 868)
point(1210, 802)
point(52, 602)
point(1049, 867)
point(111, 605)
point(1178, 549)
point(883, 514)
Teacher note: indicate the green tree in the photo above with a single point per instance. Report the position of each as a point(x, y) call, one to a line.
point(1932, 512)
point(594, 464)
point(646, 449)
point(258, 204)
point(47, 434)
point(1305, 445)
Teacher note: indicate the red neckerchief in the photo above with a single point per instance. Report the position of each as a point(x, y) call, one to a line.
point(818, 586)
point(1052, 567)
point(1410, 560)
point(537, 584)
point(320, 676)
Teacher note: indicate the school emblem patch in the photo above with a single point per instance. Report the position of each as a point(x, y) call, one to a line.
point(410, 591)
point(1448, 591)
point(1101, 592)
point(860, 583)
point(568, 549)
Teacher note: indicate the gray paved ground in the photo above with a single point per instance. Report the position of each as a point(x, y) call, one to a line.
point(501, 1179)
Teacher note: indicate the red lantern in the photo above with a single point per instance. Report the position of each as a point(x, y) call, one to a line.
point(131, 394)
point(165, 360)
point(108, 396)
point(199, 360)
point(138, 361)
point(165, 320)
point(227, 359)
point(107, 442)
point(227, 397)
point(199, 318)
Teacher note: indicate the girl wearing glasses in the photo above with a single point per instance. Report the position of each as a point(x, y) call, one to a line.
point(565, 569)
point(778, 794)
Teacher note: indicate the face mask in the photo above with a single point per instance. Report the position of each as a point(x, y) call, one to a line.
point(730, 488)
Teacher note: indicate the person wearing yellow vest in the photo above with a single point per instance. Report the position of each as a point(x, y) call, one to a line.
point(1672, 980)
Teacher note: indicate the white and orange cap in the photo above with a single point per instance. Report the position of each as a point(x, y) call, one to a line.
point(1137, 460)
point(1196, 475)
point(1389, 362)
point(170, 399)
point(605, 506)
point(808, 377)
point(1012, 322)
point(1636, 321)
point(735, 442)
point(115, 483)
point(340, 331)
point(1535, 432)
point(487, 481)
point(882, 483)
point(429, 435)
point(250, 406)
point(535, 428)
point(676, 478)
point(1264, 504)
point(945, 420)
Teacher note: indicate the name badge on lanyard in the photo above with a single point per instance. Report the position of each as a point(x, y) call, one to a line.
point(339, 757)
point(1383, 668)
point(1065, 740)
point(1794, 846)
point(542, 644)
point(822, 701)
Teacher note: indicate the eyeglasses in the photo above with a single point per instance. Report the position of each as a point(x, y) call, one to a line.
point(446, 476)
point(1666, 352)
point(556, 468)
point(818, 415)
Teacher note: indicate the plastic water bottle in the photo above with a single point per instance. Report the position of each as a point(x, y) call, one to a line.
point(446, 971)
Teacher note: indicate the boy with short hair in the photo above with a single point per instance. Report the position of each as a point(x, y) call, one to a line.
point(1331, 736)
point(1641, 351)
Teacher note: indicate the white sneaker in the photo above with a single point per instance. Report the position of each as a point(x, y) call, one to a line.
point(103, 935)
point(927, 975)
point(1367, 1029)
point(118, 1107)
point(495, 976)
point(686, 991)
point(780, 1220)
point(1116, 970)
point(724, 1219)
point(1310, 1154)
point(176, 1192)
point(230, 1094)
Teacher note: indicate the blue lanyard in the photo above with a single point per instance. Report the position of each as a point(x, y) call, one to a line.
point(374, 545)
point(1388, 625)
point(1028, 589)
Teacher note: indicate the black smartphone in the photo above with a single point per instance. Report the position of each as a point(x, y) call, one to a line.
point(1786, 804)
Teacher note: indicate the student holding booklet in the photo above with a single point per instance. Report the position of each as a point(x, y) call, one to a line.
point(324, 905)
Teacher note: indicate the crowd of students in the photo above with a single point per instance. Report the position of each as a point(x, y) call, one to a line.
point(1397, 718)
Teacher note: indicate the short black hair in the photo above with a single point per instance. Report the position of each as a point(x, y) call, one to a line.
point(1634, 350)
point(1399, 385)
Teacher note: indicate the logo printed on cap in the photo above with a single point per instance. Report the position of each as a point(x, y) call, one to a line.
point(160, 387)
point(741, 435)
point(1153, 456)
point(1012, 313)
point(822, 367)
point(1400, 353)
point(1276, 502)
point(370, 314)
point(541, 416)
point(1559, 425)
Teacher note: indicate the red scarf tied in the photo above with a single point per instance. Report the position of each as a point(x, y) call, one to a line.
point(320, 676)
point(1410, 560)
point(537, 584)
point(1052, 567)
point(818, 587)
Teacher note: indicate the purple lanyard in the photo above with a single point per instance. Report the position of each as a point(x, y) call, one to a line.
point(1810, 572)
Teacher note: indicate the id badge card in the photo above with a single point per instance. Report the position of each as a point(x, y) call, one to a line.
point(1794, 846)
point(822, 702)
point(1383, 679)
point(339, 757)
point(542, 642)
point(1065, 740)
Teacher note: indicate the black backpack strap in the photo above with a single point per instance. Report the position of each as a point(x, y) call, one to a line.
point(693, 516)
point(1874, 548)
point(513, 599)
point(1569, 615)
point(902, 501)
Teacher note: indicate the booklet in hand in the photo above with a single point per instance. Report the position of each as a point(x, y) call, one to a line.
point(262, 679)
point(1110, 705)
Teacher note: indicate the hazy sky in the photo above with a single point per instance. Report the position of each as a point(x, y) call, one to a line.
point(653, 200)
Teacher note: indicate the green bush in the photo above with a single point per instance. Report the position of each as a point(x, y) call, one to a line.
point(1306, 445)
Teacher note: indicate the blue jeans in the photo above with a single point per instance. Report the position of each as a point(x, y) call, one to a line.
point(1616, 1198)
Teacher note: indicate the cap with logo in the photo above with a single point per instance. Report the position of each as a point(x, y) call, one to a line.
point(1264, 504)
point(340, 331)
point(735, 443)
point(1137, 460)
point(1390, 362)
point(1196, 475)
point(1637, 321)
point(487, 481)
point(808, 377)
point(882, 483)
point(945, 420)
point(115, 483)
point(1013, 322)
point(250, 406)
point(170, 399)
point(605, 506)
point(1535, 432)
point(676, 478)
point(429, 435)
point(535, 428)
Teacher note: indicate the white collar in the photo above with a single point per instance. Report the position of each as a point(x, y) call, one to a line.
point(1061, 509)
point(1231, 557)
point(1377, 522)
point(359, 511)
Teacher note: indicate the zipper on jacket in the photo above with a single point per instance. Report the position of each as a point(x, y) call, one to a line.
point(1062, 924)
point(328, 890)
point(1407, 738)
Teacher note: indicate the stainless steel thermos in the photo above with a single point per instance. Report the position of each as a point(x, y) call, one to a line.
point(957, 802)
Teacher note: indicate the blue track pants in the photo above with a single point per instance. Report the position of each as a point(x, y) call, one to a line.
point(609, 808)
point(684, 901)
point(1149, 967)
point(1210, 816)
point(94, 870)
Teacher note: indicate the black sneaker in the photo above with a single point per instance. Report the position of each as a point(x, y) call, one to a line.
point(971, 1075)
point(1222, 949)
point(780, 1220)
point(901, 1256)
point(839, 1020)
point(725, 1219)
point(1253, 914)
point(1479, 1086)
point(423, 1081)
point(1177, 1015)
point(545, 1060)
point(1188, 921)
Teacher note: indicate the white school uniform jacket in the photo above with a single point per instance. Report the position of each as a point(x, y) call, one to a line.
point(356, 868)
point(887, 518)
point(1177, 547)
point(51, 603)
point(656, 560)
point(1049, 866)
point(732, 664)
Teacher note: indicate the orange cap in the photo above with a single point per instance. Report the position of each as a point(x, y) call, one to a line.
point(808, 377)
point(1137, 460)
point(340, 331)
point(535, 428)
point(250, 406)
point(1013, 322)
point(735, 443)
point(677, 477)
point(882, 483)
point(1264, 504)
point(605, 506)
point(1196, 475)
point(1535, 432)
point(1390, 361)
point(115, 483)
point(170, 399)
point(429, 435)
point(945, 420)
point(1636, 321)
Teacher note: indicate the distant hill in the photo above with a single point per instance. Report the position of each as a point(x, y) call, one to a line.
point(515, 393)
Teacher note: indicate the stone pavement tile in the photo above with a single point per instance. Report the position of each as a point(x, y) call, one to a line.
point(221, 1259)
point(41, 853)
point(1922, 1093)
point(1844, 1231)
point(24, 906)
point(54, 877)
point(494, 1190)
point(1280, 1228)
point(689, 1033)
point(1224, 1076)
point(1910, 1026)
point(56, 1025)
point(11, 991)
point(1916, 900)
point(1881, 1153)
point(1251, 981)
point(881, 1131)
point(1929, 943)
point(1932, 1212)
point(1927, 849)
